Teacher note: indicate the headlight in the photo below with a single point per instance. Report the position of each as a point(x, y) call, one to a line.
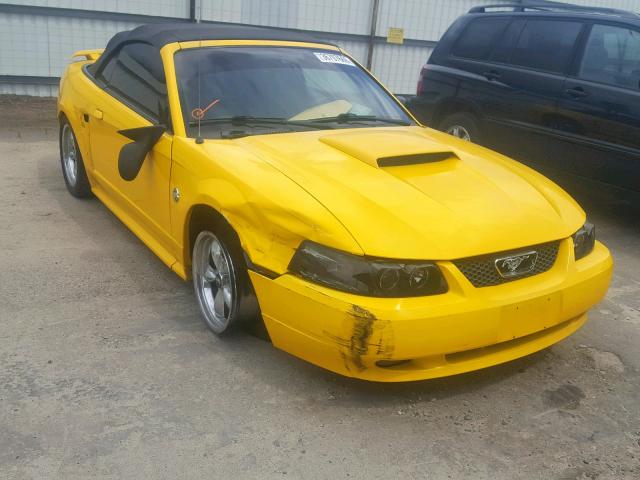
point(584, 240)
point(366, 276)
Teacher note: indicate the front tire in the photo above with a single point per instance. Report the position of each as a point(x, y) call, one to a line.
point(463, 126)
point(73, 172)
point(221, 282)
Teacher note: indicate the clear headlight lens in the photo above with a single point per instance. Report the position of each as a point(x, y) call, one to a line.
point(366, 276)
point(584, 240)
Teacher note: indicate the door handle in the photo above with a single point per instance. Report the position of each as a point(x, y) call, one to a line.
point(491, 75)
point(577, 92)
point(97, 114)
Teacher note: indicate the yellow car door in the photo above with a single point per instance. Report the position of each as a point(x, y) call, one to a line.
point(134, 95)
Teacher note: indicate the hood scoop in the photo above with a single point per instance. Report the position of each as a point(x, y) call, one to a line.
point(415, 159)
point(382, 148)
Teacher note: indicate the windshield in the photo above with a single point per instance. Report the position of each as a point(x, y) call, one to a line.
point(238, 91)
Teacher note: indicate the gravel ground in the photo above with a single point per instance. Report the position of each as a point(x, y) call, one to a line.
point(108, 372)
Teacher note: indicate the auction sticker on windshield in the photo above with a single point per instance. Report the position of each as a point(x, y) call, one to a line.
point(333, 58)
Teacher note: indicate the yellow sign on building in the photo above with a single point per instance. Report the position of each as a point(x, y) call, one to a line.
point(395, 35)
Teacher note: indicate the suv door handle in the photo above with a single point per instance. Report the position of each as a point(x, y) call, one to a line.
point(491, 75)
point(97, 114)
point(576, 92)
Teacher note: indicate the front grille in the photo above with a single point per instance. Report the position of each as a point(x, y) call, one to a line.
point(481, 271)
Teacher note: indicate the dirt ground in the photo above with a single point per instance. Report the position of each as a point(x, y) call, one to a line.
point(106, 370)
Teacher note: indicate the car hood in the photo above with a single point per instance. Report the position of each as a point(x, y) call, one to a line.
point(414, 193)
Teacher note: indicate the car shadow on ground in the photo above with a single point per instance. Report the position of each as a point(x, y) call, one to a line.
point(438, 388)
point(108, 235)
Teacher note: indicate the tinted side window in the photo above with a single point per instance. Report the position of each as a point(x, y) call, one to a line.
point(612, 56)
point(480, 35)
point(504, 47)
point(136, 73)
point(546, 45)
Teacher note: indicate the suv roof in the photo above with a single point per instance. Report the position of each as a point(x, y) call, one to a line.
point(563, 9)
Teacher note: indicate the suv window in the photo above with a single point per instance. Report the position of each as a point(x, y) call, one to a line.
point(546, 44)
point(503, 48)
point(612, 56)
point(478, 37)
point(136, 74)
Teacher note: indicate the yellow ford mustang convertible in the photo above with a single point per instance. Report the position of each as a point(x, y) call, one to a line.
point(289, 185)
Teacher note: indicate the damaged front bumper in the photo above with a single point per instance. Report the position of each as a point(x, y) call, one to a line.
point(465, 329)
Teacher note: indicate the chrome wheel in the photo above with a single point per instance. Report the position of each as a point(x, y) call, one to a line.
point(69, 155)
point(459, 131)
point(214, 281)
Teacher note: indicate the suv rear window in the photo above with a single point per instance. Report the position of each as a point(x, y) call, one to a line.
point(546, 45)
point(479, 37)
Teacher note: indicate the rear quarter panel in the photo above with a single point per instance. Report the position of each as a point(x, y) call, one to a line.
point(74, 100)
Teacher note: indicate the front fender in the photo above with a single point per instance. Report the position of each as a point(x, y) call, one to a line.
point(270, 213)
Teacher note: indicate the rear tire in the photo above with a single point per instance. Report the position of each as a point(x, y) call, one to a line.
point(222, 286)
point(464, 126)
point(73, 172)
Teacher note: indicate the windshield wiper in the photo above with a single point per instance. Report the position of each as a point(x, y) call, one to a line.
point(352, 117)
point(245, 120)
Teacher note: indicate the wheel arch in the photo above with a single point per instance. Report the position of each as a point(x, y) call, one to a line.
point(203, 216)
point(64, 115)
point(200, 216)
point(66, 107)
point(73, 116)
point(455, 105)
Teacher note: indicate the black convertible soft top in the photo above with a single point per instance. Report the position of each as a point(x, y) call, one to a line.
point(160, 34)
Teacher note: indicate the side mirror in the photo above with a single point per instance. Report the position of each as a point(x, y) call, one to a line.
point(132, 155)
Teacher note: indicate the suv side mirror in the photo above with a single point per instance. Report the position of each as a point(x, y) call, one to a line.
point(132, 155)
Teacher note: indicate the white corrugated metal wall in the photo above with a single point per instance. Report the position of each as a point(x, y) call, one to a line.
point(38, 36)
point(350, 17)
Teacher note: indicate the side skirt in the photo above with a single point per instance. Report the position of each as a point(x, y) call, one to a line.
point(153, 245)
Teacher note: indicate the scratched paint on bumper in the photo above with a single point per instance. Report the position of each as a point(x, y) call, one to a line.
point(462, 330)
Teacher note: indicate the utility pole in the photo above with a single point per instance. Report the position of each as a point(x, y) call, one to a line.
point(192, 11)
point(372, 34)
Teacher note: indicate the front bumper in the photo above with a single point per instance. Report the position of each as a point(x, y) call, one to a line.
point(465, 329)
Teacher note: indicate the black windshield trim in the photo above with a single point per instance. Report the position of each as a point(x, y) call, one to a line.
point(244, 120)
point(354, 118)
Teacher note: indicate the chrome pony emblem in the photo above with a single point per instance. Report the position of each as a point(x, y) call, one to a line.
point(516, 265)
